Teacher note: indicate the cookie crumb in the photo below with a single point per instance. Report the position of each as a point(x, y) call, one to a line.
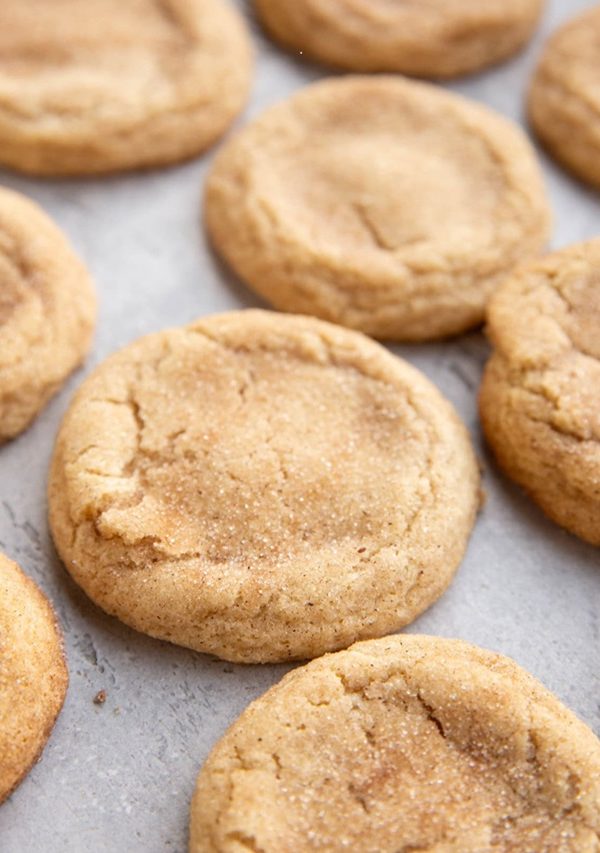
point(100, 697)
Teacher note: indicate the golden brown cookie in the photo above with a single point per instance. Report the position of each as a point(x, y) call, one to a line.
point(541, 387)
point(564, 99)
point(33, 674)
point(439, 38)
point(92, 86)
point(261, 487)
point(408, 743)
point(47, 311)
point(386, 205)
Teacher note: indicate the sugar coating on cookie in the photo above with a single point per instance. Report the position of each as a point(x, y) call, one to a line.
point(400, 744)
point(564, 98)
point(540, 392)
point(439, 38)
point(262, 487)
point(33, 674)
point(103, 85)
point(47, 311)
point(385, 205)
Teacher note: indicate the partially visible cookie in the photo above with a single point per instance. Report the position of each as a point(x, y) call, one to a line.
point(540, 392)
point(564, 98)
point(93, 86)
point(408, 743)
point(262, 487)
point(385, 205)
point(439, 38)
point(47, 311)
point(33, 674)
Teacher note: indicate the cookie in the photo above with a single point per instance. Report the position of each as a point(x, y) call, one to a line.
point(440, 38)
point(262, 487)
point(409, 743)
point(47, 311)
point(33, 674)
point(540, 391)
point(564, 102)
point(102, 85)
point(385, 205)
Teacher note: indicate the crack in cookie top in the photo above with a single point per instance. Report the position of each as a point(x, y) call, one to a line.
point(261, 486)
point(402, 744)
point(382, 204)
point(539, 398)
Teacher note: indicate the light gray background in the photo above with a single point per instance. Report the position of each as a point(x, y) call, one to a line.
point(119, 777)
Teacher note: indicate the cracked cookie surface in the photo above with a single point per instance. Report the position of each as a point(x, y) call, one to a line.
point(261, 487)
point(540, 391)
point(104, 85)
point(33, 674)
point(47, 311)
point(385, 205)
point(564, 98)
point(408, 743)
point(439, 38)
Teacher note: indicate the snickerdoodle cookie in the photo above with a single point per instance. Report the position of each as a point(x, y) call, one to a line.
point(386, 205)
point(402, 744)
point(261, 487)
point(564, 99)
point(91, 86)
point(540, 392)
point(47, 311)
point(439, 38)
point(33, 674)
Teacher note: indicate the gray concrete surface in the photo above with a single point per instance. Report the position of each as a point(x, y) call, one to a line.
point(119, 777)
